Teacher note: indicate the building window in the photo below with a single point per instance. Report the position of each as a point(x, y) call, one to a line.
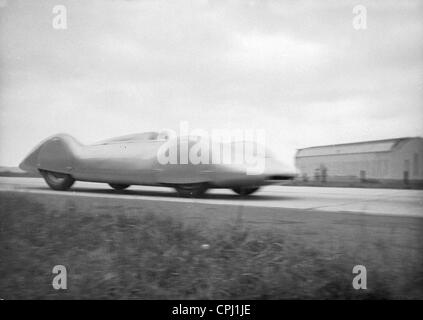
point(416, 164)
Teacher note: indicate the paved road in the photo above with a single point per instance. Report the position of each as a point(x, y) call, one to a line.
point(354, 200)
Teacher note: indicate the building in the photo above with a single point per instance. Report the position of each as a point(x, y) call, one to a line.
point(382, 160)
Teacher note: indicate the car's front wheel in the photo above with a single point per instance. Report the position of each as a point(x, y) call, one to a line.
point(57, 181)
point(245, 191)
point(118, 186)
point(191, 190)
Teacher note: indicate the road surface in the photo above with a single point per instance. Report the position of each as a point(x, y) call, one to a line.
point(354, 200)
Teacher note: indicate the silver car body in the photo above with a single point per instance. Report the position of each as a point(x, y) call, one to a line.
point(133, 160)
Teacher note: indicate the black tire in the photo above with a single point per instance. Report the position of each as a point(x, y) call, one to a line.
point(191, 190)
point(245, 191)
point(57, 181)
point(118, 186)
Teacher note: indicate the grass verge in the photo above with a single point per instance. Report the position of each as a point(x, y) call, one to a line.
point(111, 252)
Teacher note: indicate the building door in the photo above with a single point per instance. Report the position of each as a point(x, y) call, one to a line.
point(362, 175)
point(406, 174)
point(416, 165)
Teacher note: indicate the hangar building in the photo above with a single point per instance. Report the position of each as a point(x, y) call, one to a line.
point(382, 160)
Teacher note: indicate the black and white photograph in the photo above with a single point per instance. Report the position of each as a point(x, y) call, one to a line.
point(203, 151)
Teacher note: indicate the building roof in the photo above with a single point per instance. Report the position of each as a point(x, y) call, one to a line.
point(353, 148)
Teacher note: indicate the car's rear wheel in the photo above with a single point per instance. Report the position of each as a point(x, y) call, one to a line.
point(191, 190)
point(57, 181)
point(118, 186)
point(245, 191)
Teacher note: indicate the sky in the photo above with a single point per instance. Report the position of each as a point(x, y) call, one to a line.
point(297, 69)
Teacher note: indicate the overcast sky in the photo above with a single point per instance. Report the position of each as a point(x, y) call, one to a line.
point(297, 69)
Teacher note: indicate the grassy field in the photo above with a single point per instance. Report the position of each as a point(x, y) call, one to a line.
point(16, 172)
point(120, 249)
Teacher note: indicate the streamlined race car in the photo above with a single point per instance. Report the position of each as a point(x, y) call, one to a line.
point(144, 159)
